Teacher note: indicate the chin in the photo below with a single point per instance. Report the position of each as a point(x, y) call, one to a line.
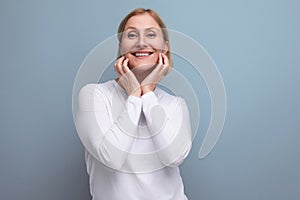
point(143, 67)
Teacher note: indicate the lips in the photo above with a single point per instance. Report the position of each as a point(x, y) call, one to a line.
point(142, 53)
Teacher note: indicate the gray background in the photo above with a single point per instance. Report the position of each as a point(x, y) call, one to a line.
point(254, 43)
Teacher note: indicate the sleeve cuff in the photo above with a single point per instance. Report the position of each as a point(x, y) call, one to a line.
point(149, 100)
point(134, 108)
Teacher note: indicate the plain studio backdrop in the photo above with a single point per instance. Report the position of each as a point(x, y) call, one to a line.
point(255, 45)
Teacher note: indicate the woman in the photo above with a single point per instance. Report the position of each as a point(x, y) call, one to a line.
point(135, 134)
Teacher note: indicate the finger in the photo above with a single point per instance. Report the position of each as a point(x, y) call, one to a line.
point(120, 65)
point(160, 59)
point(116, 67)
point(165, 60)
point(166, 66)
point(125, 65)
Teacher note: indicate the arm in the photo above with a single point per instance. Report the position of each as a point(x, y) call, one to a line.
point(106, 140)
point(170, 128)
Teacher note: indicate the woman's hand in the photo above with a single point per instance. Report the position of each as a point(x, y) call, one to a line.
point(150, 82)
point(126, 78)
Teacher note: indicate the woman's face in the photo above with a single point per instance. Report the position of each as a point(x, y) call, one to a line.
point(142, 41)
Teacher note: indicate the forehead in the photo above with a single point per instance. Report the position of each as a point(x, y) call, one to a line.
point(142, 21)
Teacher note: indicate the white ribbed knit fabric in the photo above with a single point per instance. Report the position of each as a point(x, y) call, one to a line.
point(133, 145)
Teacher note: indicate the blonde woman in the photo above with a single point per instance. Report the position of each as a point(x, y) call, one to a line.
point(135, 134)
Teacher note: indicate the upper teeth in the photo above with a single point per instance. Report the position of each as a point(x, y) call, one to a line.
point(141, 54)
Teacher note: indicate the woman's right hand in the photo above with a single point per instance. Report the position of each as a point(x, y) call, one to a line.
point(126, 78)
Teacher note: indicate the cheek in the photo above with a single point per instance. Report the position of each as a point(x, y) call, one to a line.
point(126, 46)
point(157, 44)
point(131, 58)
point(155, 57)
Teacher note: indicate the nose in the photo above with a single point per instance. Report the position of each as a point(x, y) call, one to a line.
point(142, 43)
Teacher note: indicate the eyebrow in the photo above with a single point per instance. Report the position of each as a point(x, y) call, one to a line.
point(132, 27)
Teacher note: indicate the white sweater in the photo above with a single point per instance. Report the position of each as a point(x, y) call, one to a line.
point(133, 145)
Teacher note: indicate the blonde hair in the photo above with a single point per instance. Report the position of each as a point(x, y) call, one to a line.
point(157, 18)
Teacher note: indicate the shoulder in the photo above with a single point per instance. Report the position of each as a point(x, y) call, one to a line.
point(107, 86)
point(166, 99)
point(94, 96)
point(87, 90)
point(91, 89)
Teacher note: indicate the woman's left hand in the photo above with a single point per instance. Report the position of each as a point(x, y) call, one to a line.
point(150, 82)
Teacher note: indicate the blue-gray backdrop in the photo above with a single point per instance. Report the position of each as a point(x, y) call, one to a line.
point(254, 43)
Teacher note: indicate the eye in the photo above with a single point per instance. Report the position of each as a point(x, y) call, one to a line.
point(151, 35)
point(132, 35)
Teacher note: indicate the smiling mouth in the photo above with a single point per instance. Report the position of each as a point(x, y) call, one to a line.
point(141, 54)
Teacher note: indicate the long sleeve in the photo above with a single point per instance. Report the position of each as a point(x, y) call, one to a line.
point(170, 128)
point(107, 138)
